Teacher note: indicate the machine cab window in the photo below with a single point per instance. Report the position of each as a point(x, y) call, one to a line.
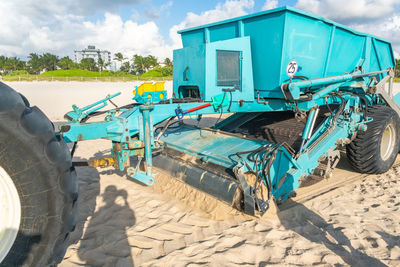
point(229, 68)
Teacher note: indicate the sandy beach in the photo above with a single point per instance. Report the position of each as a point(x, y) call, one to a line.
point(122, 223)
point(348, 219)
point(56, 98)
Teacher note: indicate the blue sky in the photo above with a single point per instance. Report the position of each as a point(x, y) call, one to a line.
point(178, 9)
point(175, 12)
point(149, 26)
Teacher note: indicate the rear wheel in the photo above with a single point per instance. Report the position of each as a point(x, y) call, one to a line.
point(11, 210)
point(38, 186)
point(375, 150)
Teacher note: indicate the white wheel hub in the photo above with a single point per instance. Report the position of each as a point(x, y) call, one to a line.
point(10, 208)
point(387, 142)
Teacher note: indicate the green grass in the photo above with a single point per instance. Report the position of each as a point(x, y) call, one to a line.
point(18, 73)
point(152, 73)
point(83, 79)
point(158, 72)
point(70, 73)
point(83, 75)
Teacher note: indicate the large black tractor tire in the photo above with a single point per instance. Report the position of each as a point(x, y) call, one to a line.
point(374, 151)
point(38, 186)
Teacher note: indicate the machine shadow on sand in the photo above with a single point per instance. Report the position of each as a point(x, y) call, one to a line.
point(119, 216)
point(314, 228)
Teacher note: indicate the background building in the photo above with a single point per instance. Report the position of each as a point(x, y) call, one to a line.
point(92, 52)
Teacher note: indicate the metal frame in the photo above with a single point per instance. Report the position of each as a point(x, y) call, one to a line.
point(132, 131)
point(323, 51)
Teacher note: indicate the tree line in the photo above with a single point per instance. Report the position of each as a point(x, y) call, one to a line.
point(136, 65)
point(38, 63)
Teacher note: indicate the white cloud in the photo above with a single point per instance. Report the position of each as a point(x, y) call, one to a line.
point(91, 7)
point(25, 29)
point(229, 9)
point(154, 12)
point(270, 4)
point(377, 17)
point(350, 10)
point(50, 26)
point(388, 29)
point(46, 8)
point(128, 37)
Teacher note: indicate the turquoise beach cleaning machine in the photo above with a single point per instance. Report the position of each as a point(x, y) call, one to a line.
point(288, 90)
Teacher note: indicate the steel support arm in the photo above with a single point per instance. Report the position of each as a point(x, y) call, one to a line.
point(295, 87)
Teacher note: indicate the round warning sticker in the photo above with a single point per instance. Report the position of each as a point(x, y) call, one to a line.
point(291, 68)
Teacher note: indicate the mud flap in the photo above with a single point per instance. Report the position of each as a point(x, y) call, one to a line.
point(248, 192)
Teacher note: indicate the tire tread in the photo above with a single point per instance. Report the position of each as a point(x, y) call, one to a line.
point(16, 112)
point(363, 152)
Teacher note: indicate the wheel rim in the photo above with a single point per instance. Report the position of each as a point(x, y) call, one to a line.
point(387, 142)
point(11, 213)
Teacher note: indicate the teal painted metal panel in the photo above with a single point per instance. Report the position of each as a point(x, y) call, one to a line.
point(384, 52)
point(373, 58)
point(246, 90)
point(223, 32)
point(306, 41)
point(320, 46)
point(202, 60)
point(193, 38)
point(266, 50)
point(190, 71)
point(347, 50)
point(221, 149)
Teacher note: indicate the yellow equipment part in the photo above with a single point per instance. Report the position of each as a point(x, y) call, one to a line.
point(159, 86)
point(149, 87)
point(102, 163)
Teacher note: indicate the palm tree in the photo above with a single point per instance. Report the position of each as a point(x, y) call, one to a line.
point(126, 67)
point(119, 57)
point(12, 64)
point(49, 61)
point(66, 63)
point(34, 63)
point(3, 61)
point(143, 64)
point(88, 64)
point(139, 63)
point(151, 62)
point(21, 65)
point(101, 64)
point(168, 62)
